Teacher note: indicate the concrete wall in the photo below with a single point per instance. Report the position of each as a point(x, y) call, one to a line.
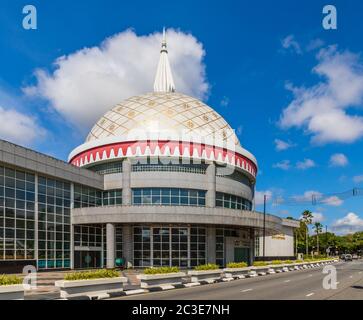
point(175, 214)
point(281, 244)
point(23, 158)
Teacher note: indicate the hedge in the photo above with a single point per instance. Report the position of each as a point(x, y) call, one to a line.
point(161, 270)
point(94, 274)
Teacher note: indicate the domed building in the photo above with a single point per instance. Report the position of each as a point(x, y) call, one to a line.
point(161, 180)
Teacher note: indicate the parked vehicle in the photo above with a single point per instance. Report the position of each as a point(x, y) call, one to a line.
point(342, 256)
point(355, 256)
point(348, 257)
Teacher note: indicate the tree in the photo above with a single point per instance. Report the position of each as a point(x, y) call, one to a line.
point(307, 219)
point(318, 229)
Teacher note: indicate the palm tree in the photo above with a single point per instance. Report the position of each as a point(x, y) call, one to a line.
point(318, 228)
point(307, 218)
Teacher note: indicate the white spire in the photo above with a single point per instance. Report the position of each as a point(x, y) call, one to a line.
point(164, 79)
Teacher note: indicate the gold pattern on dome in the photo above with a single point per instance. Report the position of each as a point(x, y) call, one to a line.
point(169, 112)
point(173, 111)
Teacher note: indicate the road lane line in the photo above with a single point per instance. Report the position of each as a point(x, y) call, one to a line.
point(246, 290)
point(287, 280)
point(310, 294)
point(351, 277)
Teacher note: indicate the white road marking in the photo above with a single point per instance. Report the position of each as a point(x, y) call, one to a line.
point(351, 277)
point(246, 290)
point(310, 294)
point(310, 275)
point(287, 280)
point(360, 272)
point(337, 282)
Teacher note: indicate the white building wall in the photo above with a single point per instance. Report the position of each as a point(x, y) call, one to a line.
point(280, 244)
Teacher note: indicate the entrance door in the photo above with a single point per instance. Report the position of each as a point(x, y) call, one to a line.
point(87, 259)
point(241, 254)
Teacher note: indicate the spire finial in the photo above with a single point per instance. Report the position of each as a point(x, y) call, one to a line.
point(164, 79)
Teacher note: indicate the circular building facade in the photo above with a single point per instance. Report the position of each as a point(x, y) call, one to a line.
point(178, 186)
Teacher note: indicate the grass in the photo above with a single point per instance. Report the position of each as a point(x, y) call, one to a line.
point(95, 274)
point(260, 263)
point(161, 270)
point(6, 280)
point(237, 265)
point(209, 266)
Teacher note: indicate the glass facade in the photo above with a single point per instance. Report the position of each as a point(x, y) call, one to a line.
point(107, 168)
point(187, 168)
point(17, 214)
point(88, 236)
point(54, 219)
point(232, 202)
point(85, 197)
point(169, 246)
point(221, 233)
point(168, 197)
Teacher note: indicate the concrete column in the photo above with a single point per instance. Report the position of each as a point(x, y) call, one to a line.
point(252, 246)
point(110, 245)
point(72, 228)
point(211, 186)
point(211, 244)
point(127, 241)
point(126, 182)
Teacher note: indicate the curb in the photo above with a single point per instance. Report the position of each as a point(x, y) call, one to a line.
point(103, 296)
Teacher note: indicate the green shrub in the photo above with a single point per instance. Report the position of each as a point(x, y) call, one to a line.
point(299, 261)
point(209, 266)
point(260, 263)
point(288, 262)
point(237, 265)
point(6, 280)
point(276, 262)
point(94, 274)
point(161, 270)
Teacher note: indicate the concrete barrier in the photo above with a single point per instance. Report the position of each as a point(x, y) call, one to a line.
point(155, 280)
point(12, 292)
point(205, 275)
point(93, 287)
point(236, 272)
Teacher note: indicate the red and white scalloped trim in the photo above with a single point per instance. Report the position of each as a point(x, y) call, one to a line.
point(164, 149)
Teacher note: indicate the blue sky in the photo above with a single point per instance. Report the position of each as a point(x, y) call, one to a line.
point(258, 59)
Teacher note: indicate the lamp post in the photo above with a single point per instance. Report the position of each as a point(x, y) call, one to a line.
point(264, 226)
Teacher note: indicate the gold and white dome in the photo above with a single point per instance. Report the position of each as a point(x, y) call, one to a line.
point(163, 123)
point(163, 113)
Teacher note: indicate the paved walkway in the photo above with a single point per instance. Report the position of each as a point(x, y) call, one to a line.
point(45, 284)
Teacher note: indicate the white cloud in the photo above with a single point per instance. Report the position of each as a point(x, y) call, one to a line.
point(290, 43)
point(318, 217)
point(349, 224)
point(18, 127)
point(315, 197)
point(358, 179)
point(306, 164)
point(283, 165)
point(338, 160)
point(281, 145)
point(332, 201)
point(314, 44)
point(87, 83)
point(322, 110)
point(225, 101)
point(259, 196)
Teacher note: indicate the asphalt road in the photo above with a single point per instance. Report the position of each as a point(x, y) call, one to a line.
point(294, 285)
